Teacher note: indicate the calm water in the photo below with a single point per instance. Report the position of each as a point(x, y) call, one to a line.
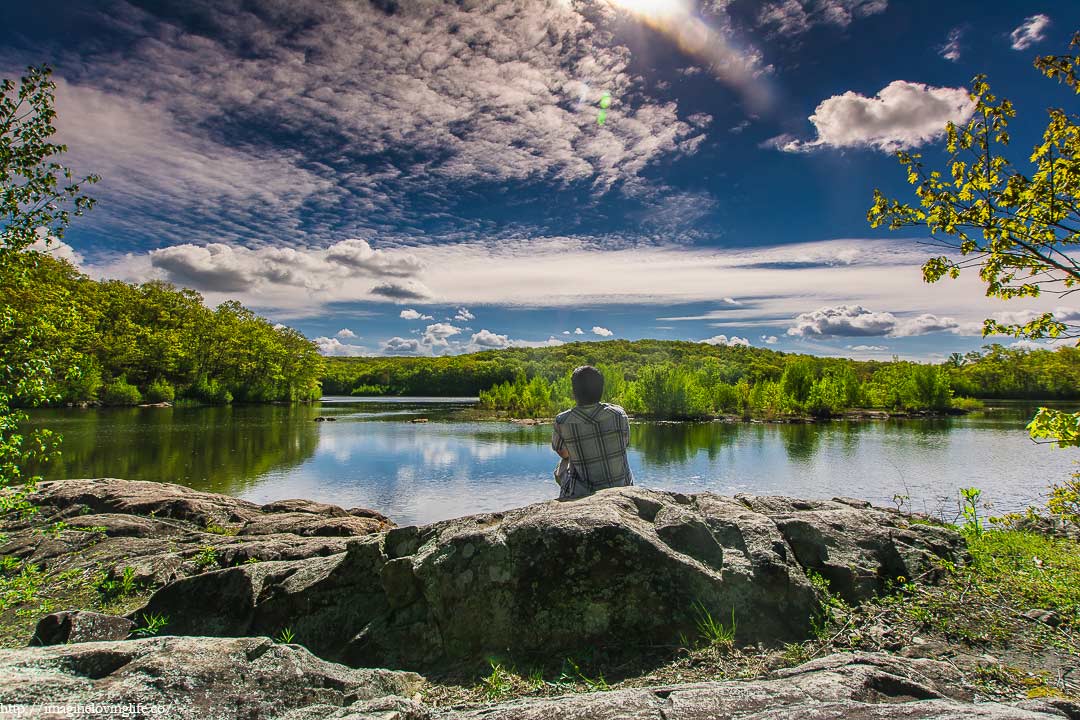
point(372, 456)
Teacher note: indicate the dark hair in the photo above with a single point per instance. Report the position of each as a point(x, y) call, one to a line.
point(588, 384)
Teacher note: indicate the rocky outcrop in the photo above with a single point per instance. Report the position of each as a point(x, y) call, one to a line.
point(624, 568)
point(77, 626)
point(852, 687)
point(164, 532)
point(197, 678)
point(255, 679)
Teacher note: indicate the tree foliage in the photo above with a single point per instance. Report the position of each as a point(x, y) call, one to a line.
point(1019, 228)
point(38, 198)
point(122, 344)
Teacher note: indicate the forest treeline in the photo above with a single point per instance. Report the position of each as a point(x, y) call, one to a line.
point(121, 344)
point(673, 379)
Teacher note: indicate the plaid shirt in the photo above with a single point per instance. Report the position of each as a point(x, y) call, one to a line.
point(596, 436)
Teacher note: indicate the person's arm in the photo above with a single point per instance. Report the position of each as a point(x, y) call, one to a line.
point(558, 444)
point(624, 427)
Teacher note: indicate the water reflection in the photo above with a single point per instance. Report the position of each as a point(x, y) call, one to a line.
point(222, 449)
point(380, 455)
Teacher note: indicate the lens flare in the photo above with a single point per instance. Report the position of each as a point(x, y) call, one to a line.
point(732, 65)
point(653, 8)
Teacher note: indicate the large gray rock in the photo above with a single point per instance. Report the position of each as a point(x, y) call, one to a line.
point(161, 531)
point(196, 678)
point(623, 568)
point(852, 687)
point(75, 626)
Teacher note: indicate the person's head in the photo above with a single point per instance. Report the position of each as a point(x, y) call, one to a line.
point(588, 384)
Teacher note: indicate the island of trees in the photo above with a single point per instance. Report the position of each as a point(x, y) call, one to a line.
point(686, 380)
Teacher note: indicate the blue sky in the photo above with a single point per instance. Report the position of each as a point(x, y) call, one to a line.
point(395, 176)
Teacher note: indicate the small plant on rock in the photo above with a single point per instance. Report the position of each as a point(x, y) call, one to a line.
point(286, 636)
point(498, 683)
point(206, 557)
point(713, 631)
point(113, 588)
point(152, 624)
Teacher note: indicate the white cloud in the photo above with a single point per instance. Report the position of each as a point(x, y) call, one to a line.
point(579, 331)
point(794, 17)
point(58, 249)
point(565, 332)
point(951, 49)
point(411, 314)
point(601, 331)
point(218, 267)
point(405, 346)
point(1021, 317)
point(464, 315)
point(487, 340)
point(345, 334)
point(868, 348)
point(334, 347)
point(733, 341)
point(1026, 344)
point(769, 339)
point(903, 115)
point(438, 334)
point(857, 321)
point(1030, 32)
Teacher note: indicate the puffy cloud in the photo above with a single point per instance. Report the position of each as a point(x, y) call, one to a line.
point(411, 314)
point(405, 346)
point(345, 334)
point(223, 268)
point(769, 339)
point(868, 348)
point(361, 259)
point(1027, 344)
point(487, 340)
point(733, 341)
point(794, 17)
point(579, 331)
point(1030, 32)
point(903, 115)
point(857, 321)
point(601, 331)
point(1021, 317)
point(463, 315)
point(334, 347)
point(57, 248)
point(951, 49)
point(439, 333)
point(402, 291)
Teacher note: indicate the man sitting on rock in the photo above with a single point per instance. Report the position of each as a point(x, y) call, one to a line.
point(591, 438)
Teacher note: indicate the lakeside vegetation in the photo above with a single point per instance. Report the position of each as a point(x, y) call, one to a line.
point(683, 380)
point(122, 344)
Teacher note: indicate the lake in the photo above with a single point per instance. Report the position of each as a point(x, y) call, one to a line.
point(372, 456)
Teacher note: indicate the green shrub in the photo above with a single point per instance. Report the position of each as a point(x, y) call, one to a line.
point(160, 391)
point(967, 404)
point(211, 391)
point(120, 392)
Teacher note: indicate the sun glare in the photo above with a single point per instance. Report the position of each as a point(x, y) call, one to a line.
point(651, 8)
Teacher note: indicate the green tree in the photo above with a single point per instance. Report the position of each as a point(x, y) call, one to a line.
point(38, 198)
point(1020, 230)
